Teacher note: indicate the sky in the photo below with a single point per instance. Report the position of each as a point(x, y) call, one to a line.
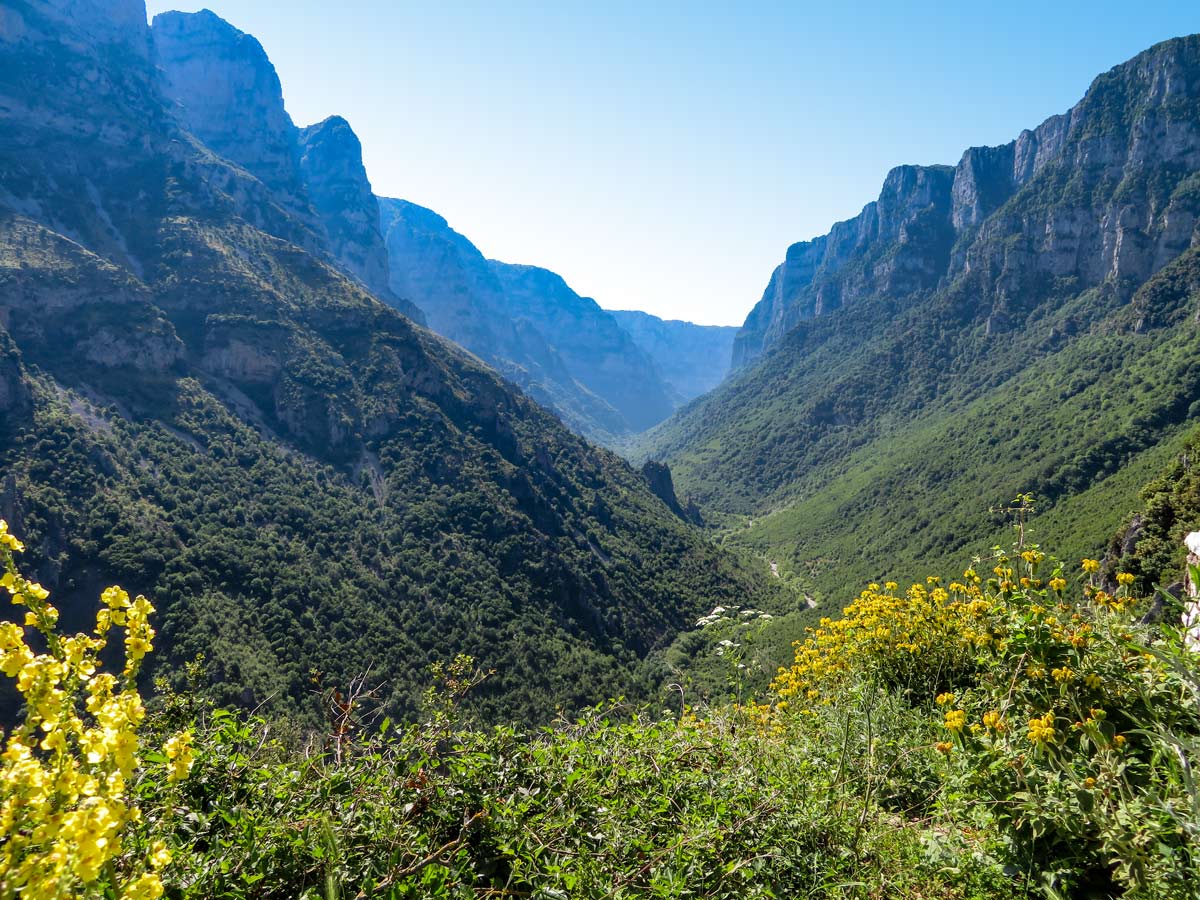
point(660, 155)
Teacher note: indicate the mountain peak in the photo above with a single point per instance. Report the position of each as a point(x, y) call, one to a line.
point(332, 168)
point(230, 97)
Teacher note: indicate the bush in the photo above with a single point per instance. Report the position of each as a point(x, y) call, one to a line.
point(1067, 728)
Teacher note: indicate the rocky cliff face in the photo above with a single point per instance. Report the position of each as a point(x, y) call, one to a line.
point(442, 272)
point(693, 359)
point(600, 354)
point(1106, 193)
point(229, 96)
point(1098, 194)
point(110, 23)
point(899, 244)
point(227, 93)
point(332, 168)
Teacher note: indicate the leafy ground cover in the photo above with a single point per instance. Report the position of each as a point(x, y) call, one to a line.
point(1013, 733)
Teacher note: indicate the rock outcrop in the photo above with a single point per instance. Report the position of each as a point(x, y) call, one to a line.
point(16, 401)
point(332, 167)
point(658, 477)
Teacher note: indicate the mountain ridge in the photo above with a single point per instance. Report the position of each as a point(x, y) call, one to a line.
point(949, 371)
point(984, 181)
point(199, 404)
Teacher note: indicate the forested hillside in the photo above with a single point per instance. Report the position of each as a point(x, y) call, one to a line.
point(199, 404)
point(1023, 322)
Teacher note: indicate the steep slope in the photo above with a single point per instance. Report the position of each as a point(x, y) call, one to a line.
point(204, 410)
point(693, 359)
point(449, 279)
point(1015, 329)
point(561, 348)
point(600, 354)
point(229, 96)
point(227, 93)
point(332, 168)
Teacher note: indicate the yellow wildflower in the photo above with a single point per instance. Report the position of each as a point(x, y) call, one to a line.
point(994, 721)
point(1063, 675)
point(955, 720)
point(1041, 730)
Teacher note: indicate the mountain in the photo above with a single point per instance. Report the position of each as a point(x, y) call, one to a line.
point(332, 167)
point(196, 403)
point(1024, 321)
point(227, 93)
point(449, 279)
point(560, 347)
point(601, 355)
point(693, 359)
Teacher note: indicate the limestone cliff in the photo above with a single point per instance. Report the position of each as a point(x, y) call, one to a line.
point(229, 96)
point(899, 244)
point(332, 168)
point(1102, 193)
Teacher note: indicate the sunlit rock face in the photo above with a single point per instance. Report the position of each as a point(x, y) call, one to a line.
point(332, 167)
point(1093, 194)
point(229, 96)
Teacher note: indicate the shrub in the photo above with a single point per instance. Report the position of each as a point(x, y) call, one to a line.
point(1067, 728)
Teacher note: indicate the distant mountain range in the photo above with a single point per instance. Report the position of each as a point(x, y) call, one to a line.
point(1022, 321)
point(559, 347)
point(211, 392)
point(693, 359)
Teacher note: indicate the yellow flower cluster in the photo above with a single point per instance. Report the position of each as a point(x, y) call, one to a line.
point(65, 767)
point(178, 749)
point(1013, 650)
point(902, 637)
point(1041, 730)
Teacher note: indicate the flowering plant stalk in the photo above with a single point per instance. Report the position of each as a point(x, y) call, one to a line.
point(64, 804)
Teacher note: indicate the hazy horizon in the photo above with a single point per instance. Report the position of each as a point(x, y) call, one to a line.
point(662, 160)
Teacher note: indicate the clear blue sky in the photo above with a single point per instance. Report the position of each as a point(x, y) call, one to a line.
point(662, 156)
